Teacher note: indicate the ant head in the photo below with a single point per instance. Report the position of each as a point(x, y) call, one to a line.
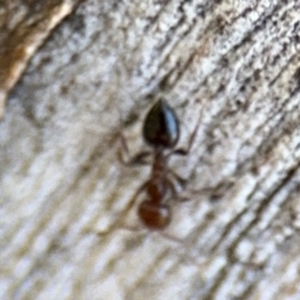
point(161, 126)
point(154, 216)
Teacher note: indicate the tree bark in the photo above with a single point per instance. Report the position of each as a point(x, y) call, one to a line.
point(24, 26)
point(66, 198)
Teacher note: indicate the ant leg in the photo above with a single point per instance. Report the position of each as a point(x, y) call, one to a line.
point(185, 151)
point(119, 223)
point(185, 195)
point(174, 192)
point(180, 180)
point(138, 159)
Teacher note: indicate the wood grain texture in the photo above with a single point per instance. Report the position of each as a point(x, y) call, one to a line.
point(234, 62)
point(24, 26)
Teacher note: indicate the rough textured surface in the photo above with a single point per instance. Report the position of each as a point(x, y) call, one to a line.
point(236, 63)
point(24, 26)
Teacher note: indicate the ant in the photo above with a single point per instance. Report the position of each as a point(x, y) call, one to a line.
point(161, 131)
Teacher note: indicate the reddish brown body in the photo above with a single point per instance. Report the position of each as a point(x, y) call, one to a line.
point(155, 212)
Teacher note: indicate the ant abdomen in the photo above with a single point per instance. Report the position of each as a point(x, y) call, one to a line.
point(155, 216)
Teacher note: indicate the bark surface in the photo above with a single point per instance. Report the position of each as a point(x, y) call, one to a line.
point(234, 63)
point(24, 26)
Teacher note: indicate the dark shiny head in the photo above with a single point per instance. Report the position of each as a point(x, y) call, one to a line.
point(161, 126)
point(154, 216)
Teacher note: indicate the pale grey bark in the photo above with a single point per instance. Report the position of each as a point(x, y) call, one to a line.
point(24, 26)
point(234, 62)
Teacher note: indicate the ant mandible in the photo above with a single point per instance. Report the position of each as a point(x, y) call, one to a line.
point(161, 131)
